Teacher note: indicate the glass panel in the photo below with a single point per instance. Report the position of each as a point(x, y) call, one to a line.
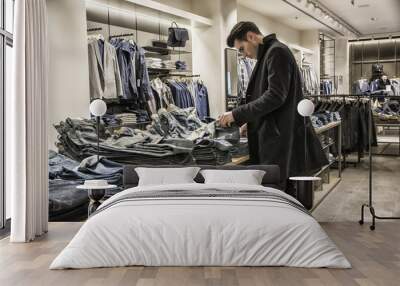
point(389, 69)
point(398, 49)
point(2, 203)
point(9, 9)
point(367, 71)
point(386, 50)
point(355, 72)
point(8, 90)
point(1, 14)
point(357, 52)
point(370, 51)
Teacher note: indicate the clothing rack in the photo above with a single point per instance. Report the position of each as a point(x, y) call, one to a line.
point(180, 75)
point(121, 35)
point(368, 205)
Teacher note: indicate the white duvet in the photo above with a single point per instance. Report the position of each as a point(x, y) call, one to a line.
point(202, 232)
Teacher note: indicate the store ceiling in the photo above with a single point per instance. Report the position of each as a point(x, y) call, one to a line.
point(283, 13)
point(366, 16)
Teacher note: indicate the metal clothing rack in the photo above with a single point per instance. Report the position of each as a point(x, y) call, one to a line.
point(368, 205)
point(341, 96)
point(181, 75)
point(121, 35)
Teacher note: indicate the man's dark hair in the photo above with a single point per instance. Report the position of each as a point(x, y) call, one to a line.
point(239, 32)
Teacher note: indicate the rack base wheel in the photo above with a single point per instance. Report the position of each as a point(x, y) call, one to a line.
point(372, 227)
point(361, 222)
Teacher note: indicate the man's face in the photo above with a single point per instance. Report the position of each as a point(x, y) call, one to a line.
point(248, 47)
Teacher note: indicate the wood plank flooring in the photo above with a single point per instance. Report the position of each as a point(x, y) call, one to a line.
point(375, 257)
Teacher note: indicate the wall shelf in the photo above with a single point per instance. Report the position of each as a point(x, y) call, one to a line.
point(165, 51)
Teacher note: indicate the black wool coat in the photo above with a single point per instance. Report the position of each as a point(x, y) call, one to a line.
point(276, 132)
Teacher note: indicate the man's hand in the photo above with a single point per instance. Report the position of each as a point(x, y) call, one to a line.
point(243, 130)
point(226, 119)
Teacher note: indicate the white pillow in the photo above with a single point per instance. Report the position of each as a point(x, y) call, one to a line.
point(166, 176)
point(243, 177)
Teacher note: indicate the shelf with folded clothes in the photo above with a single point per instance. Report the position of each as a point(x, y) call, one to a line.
point(164, 51)
point(388, 111)
point(327, 127)
point(155, 70)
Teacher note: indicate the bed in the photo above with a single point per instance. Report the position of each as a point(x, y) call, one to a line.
point(198, 224)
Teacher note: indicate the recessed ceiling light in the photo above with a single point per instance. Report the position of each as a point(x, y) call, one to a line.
point(373, 19)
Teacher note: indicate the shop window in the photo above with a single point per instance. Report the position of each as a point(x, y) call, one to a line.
point(6, 66)
point(386, 50)
point(370, 52)
point(357, 52)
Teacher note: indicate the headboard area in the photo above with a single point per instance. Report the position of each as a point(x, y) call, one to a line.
point(271, 177)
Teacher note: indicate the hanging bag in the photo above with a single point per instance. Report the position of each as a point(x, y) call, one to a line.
point(177, 37)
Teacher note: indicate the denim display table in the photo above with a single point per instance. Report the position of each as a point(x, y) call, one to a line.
point(96, 193)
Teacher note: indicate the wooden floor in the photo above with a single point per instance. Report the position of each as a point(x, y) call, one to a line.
point(375, 257)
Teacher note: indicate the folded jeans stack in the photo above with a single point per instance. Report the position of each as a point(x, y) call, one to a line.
point(126, 118)
point(65, 174)
point(139, 147)
point(212, 152)
point(180, 65)
point(323, 118)
point(155, 63)
point(168, 140)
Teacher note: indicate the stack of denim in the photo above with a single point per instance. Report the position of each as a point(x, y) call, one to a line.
point(180, 123)
point(67, 203)
point(78, 140)
point(389, 110)
point(320, 119)
point(180, 65)
point(168, 140)
point(212, 152)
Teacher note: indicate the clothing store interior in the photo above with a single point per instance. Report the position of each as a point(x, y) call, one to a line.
point(236, 142)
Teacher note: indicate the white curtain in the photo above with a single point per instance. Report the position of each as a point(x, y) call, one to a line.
point(27, 123)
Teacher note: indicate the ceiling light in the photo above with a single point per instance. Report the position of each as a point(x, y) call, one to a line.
point(373, 19)
point(364, 6)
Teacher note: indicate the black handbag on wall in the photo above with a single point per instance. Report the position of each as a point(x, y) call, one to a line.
point(177, 37)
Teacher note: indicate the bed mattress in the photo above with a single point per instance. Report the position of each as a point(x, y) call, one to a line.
point(201, 225)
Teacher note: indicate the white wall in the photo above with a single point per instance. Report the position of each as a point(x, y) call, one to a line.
point(269, 26)
point(310, 40)
point(342, 65)
point(180, 4)
point(208, 48)
point(69, 69)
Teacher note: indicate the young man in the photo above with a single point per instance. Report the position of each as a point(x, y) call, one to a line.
point(275, 130)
